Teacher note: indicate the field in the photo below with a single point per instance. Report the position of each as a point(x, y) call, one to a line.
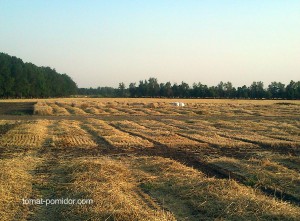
point(145, 159)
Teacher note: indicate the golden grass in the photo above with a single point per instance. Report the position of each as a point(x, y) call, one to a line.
point(30, 134)
point(70, 134)
point(161, 135)
point(154, 124)
point(263, 173)
point(205, 135)
point(216, 139)
point(57, 110)
point(263, 140)
point(149, 111)
point(2, 122)
point(113, 111)
point(148, 106)
point(131, 111)
point(92, 110)
point(193, 124)
point(114, 190)
point(42, 108)
point(239, 133)
point(162, 100)
point(76, 110)
point(15, 184)
point(167, 111)
point(153, 188)
point(116, 137)
point(193, 196)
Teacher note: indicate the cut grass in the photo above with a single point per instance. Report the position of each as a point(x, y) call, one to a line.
point(193, 196)
point(194, 107)
point(42, 108)
point(30, 134)
point(263, 173)
point(116, 137)
point(15, 185)
point(114, 190)
point(70, 134)
point(205, 133)
point(161, 135)
point(130, 183)
point(59, 111)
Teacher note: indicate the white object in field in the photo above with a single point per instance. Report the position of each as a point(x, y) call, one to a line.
point(178, 104)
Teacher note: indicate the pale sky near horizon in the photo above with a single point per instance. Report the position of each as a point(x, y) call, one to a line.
point(102, 43)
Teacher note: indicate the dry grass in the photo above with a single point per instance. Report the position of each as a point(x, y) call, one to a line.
point(131, 111)
point(160, 135)
point(5, 126)
point(244, 134)
point(263, 173)
point(130, 184)
point(114, 190)
point(30, 134)
point(193, 196)
point(291, 162)
point(70, 134)
point(194, 107)
point(149, 111)
point(154, 124)
point(92, 110)
point(57, 110)
point(116, 137)
point(15, 184)
point(113, 111)
point(217, 140)
point(203, 133)
point(42, 108)
point(144, 101)
point(76, 110)
point(264, 141)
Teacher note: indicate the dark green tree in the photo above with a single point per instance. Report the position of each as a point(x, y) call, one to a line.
point(276, 90)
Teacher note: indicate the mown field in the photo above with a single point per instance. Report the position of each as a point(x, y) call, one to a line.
point(145, 159)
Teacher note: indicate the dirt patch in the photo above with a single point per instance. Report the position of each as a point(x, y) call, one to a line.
point(16, 108)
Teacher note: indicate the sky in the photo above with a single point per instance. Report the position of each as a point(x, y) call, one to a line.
point(103, 43)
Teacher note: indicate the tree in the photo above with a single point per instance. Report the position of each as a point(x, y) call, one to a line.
point(276, 90)
point(133, 90)
point(168, 89)
point(228, 90)
point(293, 90)
point(199, 90)
point(257, 90)
point(6, 79)
point(122, 90)
point(220, 89)
point(19, 79)
point(184, 90)
point(175, 89)
point(242, 92)
point(153, 87)
point(143, 89)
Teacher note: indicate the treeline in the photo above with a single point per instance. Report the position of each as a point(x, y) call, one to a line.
point(26, 80)
point(152, 88)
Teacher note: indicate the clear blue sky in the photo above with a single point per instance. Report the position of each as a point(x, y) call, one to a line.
point(102, 43)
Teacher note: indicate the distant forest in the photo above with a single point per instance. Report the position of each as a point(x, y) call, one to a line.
point(26, 80)
point(152, 88)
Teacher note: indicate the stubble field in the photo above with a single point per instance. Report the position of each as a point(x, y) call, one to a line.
point(145, 159)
